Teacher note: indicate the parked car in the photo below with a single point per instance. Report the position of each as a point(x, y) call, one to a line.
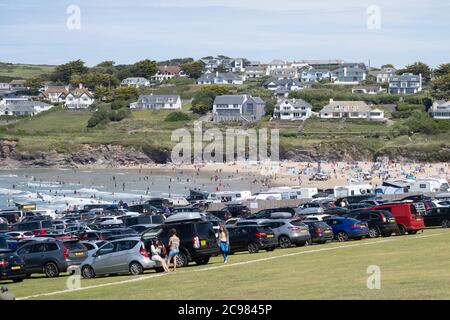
point(198, 240)
point(381, 223)
point(406, 216)
point(3, 227)
point(267, 213)
point(345, 229)
point(143, 219)
point(238, 210)
point(75, 252)
point(140, 228)
point(320, 231)
point(46, 256)
point(39, 227)
point(118, 233)
point(18, 235)
point(126, 255)
point(12, 266)
point(223, 214)
point(289, 232)
point(437, 217)
point(317, 217)
point(146, 209)
point(11, 216)
point(426, 200)
point(251, 238)
point(94, 235)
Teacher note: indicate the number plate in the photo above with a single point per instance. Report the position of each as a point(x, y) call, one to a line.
point(203, 243)
point(15, 268)
point(270, 236)
point(79, 254)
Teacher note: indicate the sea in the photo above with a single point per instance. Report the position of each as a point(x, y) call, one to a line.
point(62, 189)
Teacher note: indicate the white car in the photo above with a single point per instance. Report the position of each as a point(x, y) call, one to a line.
point(21, 234)
point(317, 217)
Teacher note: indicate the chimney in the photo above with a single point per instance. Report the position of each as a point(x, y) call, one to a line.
point(80, 86)
point(331, 100)
point(217, 73)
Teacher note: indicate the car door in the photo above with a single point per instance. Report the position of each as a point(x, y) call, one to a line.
point(123, 250)
point(25, 254)
point(36, 256)
point(102, 262)
point(434, 217)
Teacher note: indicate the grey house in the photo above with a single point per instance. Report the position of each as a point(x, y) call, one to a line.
point(243, 108)
point(23, 108)
point(169, 101)
point(351, 73)
point(407, 83)
point(220, 78)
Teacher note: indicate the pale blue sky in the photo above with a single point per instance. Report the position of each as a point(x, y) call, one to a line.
point(34, 31)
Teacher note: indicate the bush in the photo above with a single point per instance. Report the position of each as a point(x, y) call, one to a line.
point(99, 117)
point(119, 104)
point(177, 116)
point(119, 115)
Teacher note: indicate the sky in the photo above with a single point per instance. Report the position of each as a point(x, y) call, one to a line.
point(396, 31)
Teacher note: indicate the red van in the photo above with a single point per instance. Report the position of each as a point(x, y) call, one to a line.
point(406, 215)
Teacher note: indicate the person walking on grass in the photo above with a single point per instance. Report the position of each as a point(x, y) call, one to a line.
point(156, 250)
point(224, 242)
point(174, 245)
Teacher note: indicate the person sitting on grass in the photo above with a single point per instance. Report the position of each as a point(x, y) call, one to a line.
point(156, 250)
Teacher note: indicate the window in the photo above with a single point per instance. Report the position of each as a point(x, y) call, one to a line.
point(106, 249)
point(52, 247)
point(422, 186)
point(125, 245)
point(25, 250)
point(37, 248)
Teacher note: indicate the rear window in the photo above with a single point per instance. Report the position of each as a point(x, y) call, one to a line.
point(263, 229)
point(46, 224)
point(74, 246)
point(157, 219)
point(204, 229)
point(52, 247)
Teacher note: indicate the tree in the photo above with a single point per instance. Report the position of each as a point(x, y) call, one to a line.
point(442, 70)
point(95, 79)
point(387, 66)
point(99, 117)
point(145, 68)
point(193, 69)
point(106, 64)
point(34, 83)
point(102, 93)
point(125, 93)
point(417, 68)
point(440, 87)
point(200, 107)
point(64, 72)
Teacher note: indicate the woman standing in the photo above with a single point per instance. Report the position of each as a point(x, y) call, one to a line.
point(156, 254)
point(174, 245)
point(224, 242)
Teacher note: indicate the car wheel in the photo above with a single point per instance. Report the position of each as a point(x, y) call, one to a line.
point(252, 247)
point(182, 260)
point(202, 261)
point(284, 242)
point(342, 236)
point(374, 233)
point(445, 223)
point(51, 270)
point(136, 268)
point(18, 280)
point(87, 272)
point(401, 230)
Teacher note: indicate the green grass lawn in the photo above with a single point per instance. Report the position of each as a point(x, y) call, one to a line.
point(412, 267)
point(24, 71)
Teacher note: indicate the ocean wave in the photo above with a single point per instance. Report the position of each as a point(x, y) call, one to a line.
point(9, 176)
point(10, 191)
point(43, 184)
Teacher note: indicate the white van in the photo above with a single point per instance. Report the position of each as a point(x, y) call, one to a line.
point(229, 196)
point(286, 193)
point(352, 190)
point(429, 185)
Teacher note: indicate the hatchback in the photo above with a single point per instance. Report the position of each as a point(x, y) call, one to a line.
point(347, 228)
point(251, 238)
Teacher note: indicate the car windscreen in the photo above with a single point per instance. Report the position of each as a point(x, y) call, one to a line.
point(152, 233)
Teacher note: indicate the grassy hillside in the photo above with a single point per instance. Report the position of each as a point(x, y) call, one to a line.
point(23, 71)
point(295, 273)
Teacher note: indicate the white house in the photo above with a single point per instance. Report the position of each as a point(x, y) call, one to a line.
point(350, 110)
point(384, 74)
point(292, 109)
point(135, 82)
point(79, 98)
point(168, 72)
point(368, 89)
point(156, 102)
point(221, 78)
point(440, 110)
point(55, 94)
point(21, 107)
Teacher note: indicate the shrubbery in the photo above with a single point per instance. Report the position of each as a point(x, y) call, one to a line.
point(177, 116)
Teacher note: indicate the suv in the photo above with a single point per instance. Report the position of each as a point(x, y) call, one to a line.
point(37, 227)
point(266, 213)
point(237, 210)
point(251, 238)
point(289, 231)
point(406, 216)
point(142, 219)
point(197, 240)
point(12, 266)
point(380, 222)
point(347, 228)
point(320, 231)
point(46, 256)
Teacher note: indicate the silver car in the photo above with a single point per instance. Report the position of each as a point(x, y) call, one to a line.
point(287, 231)
point(127, 255)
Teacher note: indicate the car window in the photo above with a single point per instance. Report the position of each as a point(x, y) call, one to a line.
point(51, 247)
point(374, 216)
point(74, 246)
point(89, 246)
point(124, 245)
point(106, 249)
point(158, 219)
point(205, 230)
point(24, 250)
point(38, 247)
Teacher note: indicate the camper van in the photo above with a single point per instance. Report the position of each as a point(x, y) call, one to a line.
point(429, 185)
point(286, 193)
point(352, 190)
point(229, 196)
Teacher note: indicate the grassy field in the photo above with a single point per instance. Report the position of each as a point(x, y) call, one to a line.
point(24, 71)
point(412, 267)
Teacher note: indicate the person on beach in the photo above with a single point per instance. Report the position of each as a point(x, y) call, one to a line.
point(224, 242)
point(156, 251)
point(174, 245)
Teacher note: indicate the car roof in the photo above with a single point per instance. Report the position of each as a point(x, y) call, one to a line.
point(138, 238)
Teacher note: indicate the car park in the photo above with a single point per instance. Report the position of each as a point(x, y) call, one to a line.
point(251, 238)
point(380, 222)
point(126, 255)
point(320, 231)
point(345, 229)
point(437, 217)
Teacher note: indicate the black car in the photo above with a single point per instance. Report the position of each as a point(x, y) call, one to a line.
point(320, 231)
point(159, 203)
point(4, 227)
point(119, 233)
point(335, 211)
point(359, 205)
point(129, 221)
point(46, 256)
point(426, 200)
point(94, 235)
point(197, 240)
point(238, 210)
point(145, 209)
point(267, 213)
point(380, 222)
point(437, 217)
point(251, 238)
point(223, 214)
point(11, 216)
point(12, 266)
